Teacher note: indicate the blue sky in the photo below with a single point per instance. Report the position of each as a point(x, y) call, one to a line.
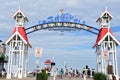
point(74, 47)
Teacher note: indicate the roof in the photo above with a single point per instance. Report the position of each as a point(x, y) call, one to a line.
point(106, 11)
point(19, 11)
point(48, 61)
point(103, 33)
point(22, 34)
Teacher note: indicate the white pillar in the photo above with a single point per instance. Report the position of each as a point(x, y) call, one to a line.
point(113, 62)
point(9, 66)
point(116, 67)
point(10, 60)
point(26, 61)
point(25, 68)
point(102, 58)
point(97, 61)
point(20, 67)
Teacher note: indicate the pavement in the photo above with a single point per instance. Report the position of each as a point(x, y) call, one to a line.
point(50, 78)
point(67, 78)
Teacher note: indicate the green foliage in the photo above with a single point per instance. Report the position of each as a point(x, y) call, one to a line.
point(42, 76)
point(2, 56)
point(99, 76)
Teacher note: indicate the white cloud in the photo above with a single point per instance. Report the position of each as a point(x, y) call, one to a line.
point(117, 35)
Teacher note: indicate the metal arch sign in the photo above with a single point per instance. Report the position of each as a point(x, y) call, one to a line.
point(63, 22)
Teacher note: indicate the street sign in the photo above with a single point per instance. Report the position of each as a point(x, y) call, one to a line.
point(105, 55)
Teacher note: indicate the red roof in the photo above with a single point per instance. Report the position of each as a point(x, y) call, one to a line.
point(48, 61)
point(22, 34)
point(102, 33)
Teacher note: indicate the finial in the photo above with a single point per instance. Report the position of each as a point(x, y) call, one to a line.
point(19, 4)
point(106, 8)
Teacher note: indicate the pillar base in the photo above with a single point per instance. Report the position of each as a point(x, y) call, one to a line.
point(25, 75)
point(110, 76)
point(15, 75)
point(117, 77)
point(8, 76)
point(20, 76)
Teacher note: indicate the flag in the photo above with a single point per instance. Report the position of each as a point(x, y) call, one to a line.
point(105, 55)
point(38, 52)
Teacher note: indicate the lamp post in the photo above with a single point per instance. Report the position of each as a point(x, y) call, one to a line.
point(53, 66)
point(54, 74)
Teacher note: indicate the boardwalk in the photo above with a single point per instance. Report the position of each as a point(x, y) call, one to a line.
point(50, 78)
